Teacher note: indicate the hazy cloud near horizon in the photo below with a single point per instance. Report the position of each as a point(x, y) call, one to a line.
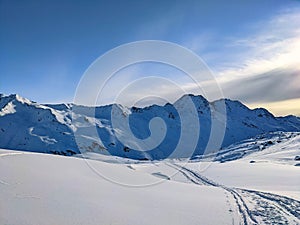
point(276, 86)
point(272, 86)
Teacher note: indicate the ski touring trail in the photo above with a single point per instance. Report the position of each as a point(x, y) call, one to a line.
point(253, 207)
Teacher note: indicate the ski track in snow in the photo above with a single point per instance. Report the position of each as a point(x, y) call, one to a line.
point(254, 207)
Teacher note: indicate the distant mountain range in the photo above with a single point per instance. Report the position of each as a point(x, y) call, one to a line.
point(69, 129)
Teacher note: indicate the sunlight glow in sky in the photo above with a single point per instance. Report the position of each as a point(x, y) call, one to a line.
point(252, 47)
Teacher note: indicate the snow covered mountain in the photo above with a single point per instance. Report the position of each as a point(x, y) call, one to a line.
point(66, 128)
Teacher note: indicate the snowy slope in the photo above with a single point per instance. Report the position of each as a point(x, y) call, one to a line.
point(46, 189)
point(25, 125)
point(256, 145)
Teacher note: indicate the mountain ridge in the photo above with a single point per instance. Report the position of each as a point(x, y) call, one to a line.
point(66, 128)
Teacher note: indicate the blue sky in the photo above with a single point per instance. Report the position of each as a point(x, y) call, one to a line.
point(45, 46)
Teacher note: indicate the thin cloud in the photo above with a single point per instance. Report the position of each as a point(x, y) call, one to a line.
point(275, 85)
point(273, 44)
